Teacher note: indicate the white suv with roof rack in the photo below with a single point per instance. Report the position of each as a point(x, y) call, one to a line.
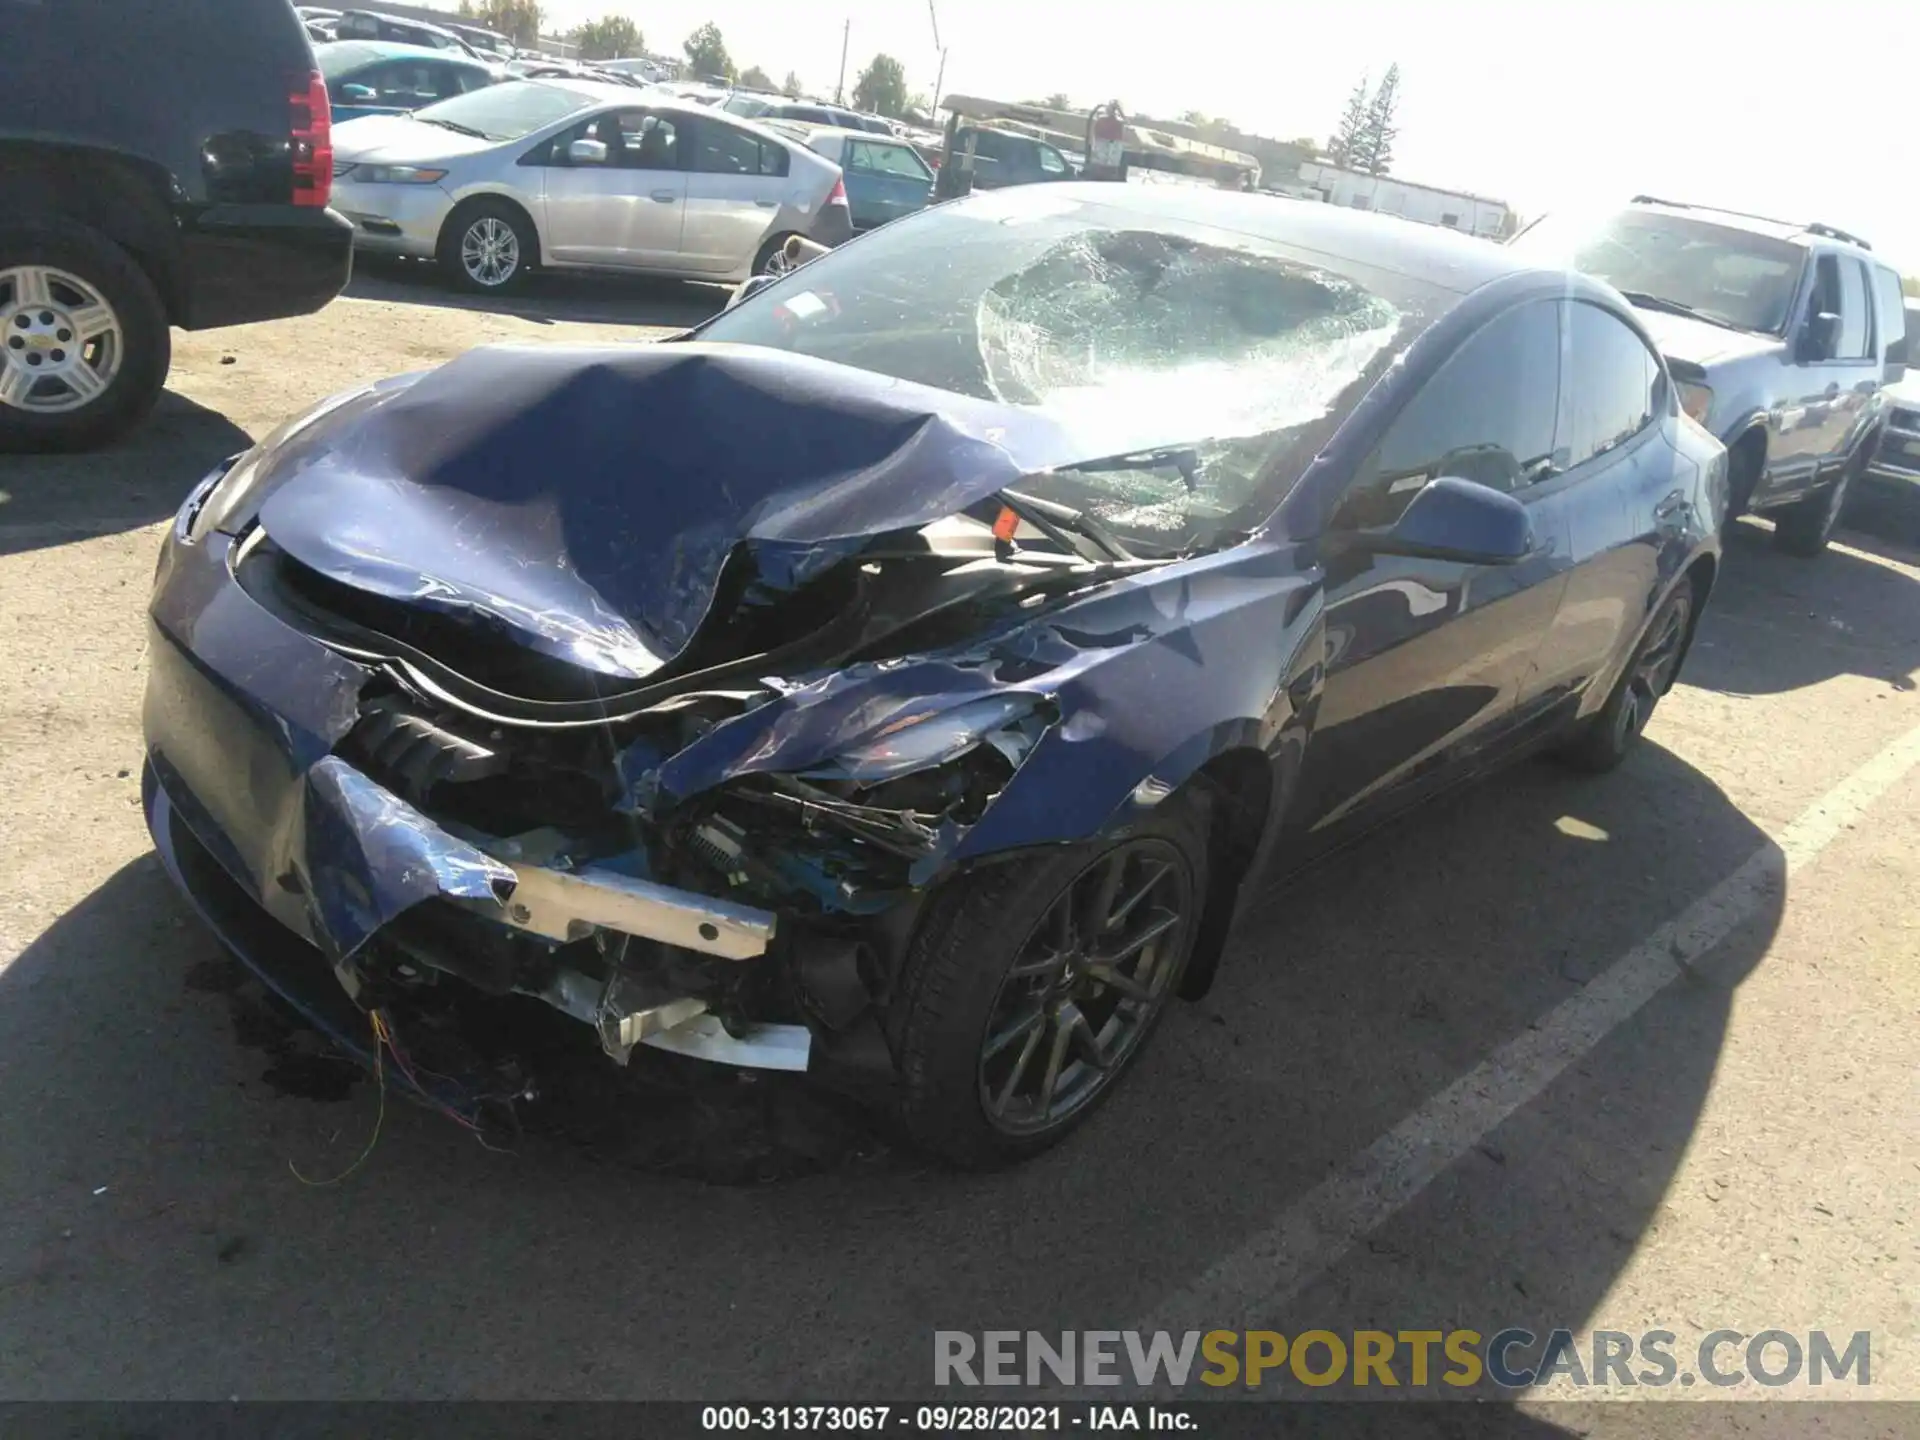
point(1782, 338)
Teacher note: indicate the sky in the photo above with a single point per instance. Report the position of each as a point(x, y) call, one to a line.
point(1758, 107)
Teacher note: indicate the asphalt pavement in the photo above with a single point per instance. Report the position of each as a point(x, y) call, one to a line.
point(1607, 1053)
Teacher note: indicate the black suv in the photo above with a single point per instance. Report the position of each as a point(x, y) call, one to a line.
point(159, 164)
point(1782, 338)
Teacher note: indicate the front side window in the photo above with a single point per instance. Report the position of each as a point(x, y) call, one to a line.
point(1051, 161)
point(1609, 385)
point(1487, 415)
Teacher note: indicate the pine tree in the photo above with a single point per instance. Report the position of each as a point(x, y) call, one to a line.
point(1341, 150)
point(1374, 152)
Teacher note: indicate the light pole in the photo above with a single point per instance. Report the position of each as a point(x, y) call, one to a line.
point(840, 85)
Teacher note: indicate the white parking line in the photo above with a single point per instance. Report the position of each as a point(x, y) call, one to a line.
point(1310, 1236)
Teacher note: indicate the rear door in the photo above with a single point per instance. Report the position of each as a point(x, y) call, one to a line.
point(885, 180)
point(736, 182)
point(627, 210)
point(1426, 659)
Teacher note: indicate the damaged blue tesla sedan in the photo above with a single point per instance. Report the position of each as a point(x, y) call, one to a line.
point(904, 677)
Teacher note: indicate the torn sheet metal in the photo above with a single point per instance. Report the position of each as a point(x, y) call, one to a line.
point(558, 498)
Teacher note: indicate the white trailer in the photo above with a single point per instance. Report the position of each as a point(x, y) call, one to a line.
point(1455, 209)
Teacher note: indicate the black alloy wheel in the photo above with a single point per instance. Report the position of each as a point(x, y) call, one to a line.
point(1605, 738)
point(1085, 989)
point(1034, 982)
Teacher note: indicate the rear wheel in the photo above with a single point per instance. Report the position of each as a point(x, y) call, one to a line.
point(1031, 987)
point(84, 345)
point(1804, 527)
point(1606, 738)
point(488, 247)
point(772, 259)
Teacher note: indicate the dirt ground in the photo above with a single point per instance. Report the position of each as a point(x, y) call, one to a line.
point(1737, 1147)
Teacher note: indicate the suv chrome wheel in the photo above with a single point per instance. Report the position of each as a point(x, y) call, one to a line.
point(60, 342)
point(490, 251)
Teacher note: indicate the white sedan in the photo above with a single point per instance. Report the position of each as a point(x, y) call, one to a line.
point(576, 174)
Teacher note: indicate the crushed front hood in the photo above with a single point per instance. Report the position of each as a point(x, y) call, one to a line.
point(582, 501)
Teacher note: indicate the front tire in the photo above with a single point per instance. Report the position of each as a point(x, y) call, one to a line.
point(1032, 985)
point(1606, 738)
point(84, 345)
point(488, 247)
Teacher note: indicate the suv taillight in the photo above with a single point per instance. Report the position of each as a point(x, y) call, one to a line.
point(838, 195)
point(311, 134)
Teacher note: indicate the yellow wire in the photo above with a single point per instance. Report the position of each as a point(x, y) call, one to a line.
point(379, 1119)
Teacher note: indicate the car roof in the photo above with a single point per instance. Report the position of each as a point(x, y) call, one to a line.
point(659, 99)
point(1793, 232)
point(1431, 254)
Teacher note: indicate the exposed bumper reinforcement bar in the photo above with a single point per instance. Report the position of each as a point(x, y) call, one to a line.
point(562, 905)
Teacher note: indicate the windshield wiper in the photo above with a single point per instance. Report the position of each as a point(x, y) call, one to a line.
point(453, 125)
point(1183, 458)
point(1059, 523)
point(1674, 307)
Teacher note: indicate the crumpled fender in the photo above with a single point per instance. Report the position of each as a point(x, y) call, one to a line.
point(1151, 676)
point(241, 714)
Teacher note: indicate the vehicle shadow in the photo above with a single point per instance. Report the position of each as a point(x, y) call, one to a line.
point(1778, 623)
point(547, 297)
point(54, 499)
point(204, 1207)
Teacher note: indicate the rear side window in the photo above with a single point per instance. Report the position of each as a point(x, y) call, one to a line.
point(412, 83)
point(720, 149)
point(1609, 385)
point(1855, 333)
point(1890, 312)
point(1487, 415)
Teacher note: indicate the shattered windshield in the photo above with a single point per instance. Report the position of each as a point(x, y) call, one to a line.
point(1729, 276)
point(1197, 367)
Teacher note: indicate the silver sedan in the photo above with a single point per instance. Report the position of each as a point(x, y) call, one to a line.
point(576, 174)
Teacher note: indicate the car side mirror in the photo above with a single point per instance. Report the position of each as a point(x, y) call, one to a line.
point(1817, 340)
point(357, 94)
point(1458, 520)
point(587, 152)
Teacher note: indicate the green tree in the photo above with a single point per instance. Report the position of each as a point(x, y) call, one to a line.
point(518, 20)
point(791, 87)
point(1058, 101)
point(882, 87)
point(707, 53)
point(608, 38)
point(1343, 149)
point(1911, 285)
point(754, 78)
point(1374, 154)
